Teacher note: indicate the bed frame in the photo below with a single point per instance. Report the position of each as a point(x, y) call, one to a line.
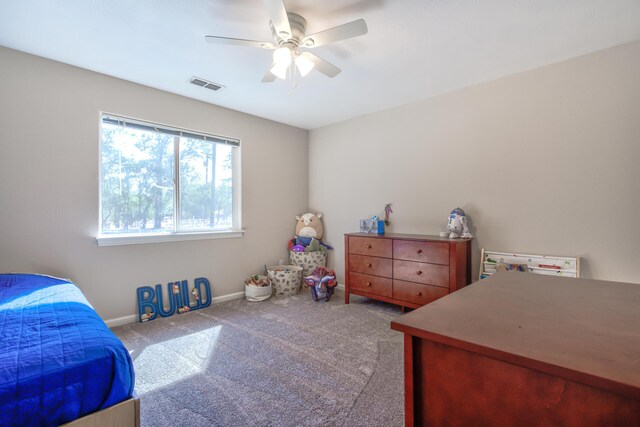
point(123, 414)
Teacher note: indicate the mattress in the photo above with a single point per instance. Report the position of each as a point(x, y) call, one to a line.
point(58, 359)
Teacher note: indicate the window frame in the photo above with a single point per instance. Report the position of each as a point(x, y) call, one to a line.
point(176, 234)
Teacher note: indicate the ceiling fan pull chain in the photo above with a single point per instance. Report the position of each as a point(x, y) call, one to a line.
point(292, 80)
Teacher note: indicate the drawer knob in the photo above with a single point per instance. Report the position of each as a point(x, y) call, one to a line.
point(419, 272)
point(367, 246)
point(419, 294)
point(368, 283)
point(419, 251)
point(369, 265)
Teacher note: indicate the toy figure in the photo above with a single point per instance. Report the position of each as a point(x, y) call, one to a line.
point(196, 293)
point(322, 283)
point(387, 212)
point(457, 225)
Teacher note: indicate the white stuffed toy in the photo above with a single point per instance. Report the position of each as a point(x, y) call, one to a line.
point(457, 225)
point(309, 225)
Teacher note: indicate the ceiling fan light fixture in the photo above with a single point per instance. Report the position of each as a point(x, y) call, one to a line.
point(289, 31)
point(282, 57)
point(304, 64)
point(280, 71)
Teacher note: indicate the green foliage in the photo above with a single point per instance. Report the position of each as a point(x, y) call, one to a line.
point(137, 182)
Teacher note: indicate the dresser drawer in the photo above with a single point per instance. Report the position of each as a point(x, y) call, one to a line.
point(417, 293)
point(370, 246)
point(370, 265)
point(371, 284)
point(431, 252)
point(421, 272)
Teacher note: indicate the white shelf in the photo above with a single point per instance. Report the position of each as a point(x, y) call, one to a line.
point(559, 270)
point(570, 266)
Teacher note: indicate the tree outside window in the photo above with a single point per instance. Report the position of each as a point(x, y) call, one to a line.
point(165, 180)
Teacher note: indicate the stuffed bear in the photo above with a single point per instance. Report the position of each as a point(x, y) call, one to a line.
point(309, 225)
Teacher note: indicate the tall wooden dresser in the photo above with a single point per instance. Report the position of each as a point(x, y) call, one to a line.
point(410, 270)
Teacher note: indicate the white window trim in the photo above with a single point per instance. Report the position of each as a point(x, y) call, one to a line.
point(178, 236)
point(136, 239)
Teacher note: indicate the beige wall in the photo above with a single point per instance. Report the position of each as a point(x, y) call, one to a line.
point(546, 161)
point(543, 162)
point(49, 184)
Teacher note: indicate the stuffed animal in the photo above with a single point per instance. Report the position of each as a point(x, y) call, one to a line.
point(306, 241)
point(309, 225)
point(322, 283)
point(457, 225)
point(315, 246)
point(309, 231)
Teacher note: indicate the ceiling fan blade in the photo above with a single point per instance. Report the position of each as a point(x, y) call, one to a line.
point(341, 32)
point(321, 65)
point(269, 76)
point(240, 42)
point(279, 19)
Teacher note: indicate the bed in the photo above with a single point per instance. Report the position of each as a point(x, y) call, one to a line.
point(59, 362)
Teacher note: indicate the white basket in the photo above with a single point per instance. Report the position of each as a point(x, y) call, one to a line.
point(285, 279)
point(258, 293)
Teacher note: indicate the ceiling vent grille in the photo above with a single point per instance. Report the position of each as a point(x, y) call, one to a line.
point(205, 83)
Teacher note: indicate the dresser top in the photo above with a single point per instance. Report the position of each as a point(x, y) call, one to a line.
point(582, 330)
point(408, 237)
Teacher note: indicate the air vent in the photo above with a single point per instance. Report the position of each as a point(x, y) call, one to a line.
point(205, 83)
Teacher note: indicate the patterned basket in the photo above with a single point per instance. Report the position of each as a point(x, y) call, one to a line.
point(308, 260)
point(285, 279)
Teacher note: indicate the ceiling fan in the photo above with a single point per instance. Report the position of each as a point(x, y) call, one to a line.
point(289, 34)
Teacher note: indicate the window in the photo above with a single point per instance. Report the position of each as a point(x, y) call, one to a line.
point(164, 183)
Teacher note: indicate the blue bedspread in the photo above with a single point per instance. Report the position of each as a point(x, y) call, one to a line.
point(58, 359)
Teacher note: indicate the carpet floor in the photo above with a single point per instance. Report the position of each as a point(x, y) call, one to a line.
point(282, 362)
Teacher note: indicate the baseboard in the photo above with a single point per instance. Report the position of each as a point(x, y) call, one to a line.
point(228, 297)
point(119, 321)
point(133, 318)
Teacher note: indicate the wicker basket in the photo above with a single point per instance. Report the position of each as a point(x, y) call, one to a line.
point(285, 279)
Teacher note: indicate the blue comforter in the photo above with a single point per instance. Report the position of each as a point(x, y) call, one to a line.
point(58, 359)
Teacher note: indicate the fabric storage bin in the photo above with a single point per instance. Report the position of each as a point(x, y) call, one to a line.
point(308, 260)
point(285, 279)
point(258, 293)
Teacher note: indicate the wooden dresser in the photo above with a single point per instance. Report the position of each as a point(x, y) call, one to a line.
point(410, 270)
point(522, 349)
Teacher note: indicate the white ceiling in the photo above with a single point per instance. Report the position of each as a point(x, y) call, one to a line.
point(415, 48)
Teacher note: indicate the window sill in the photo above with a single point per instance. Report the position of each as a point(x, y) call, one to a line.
point(136, 239)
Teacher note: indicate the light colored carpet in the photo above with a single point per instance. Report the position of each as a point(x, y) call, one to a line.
point(283, 362)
